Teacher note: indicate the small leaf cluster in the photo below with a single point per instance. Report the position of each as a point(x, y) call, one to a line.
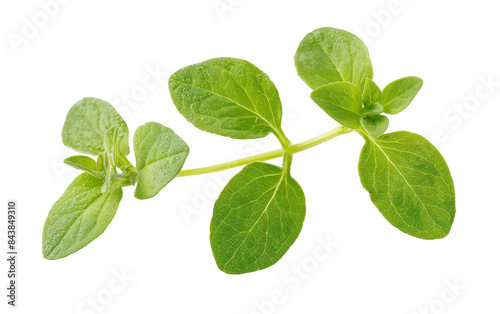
point(352, 99)
point(93, 127)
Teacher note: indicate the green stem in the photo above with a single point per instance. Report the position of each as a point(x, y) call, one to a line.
point(287, 161)
point(292, 149)
point(284, 141)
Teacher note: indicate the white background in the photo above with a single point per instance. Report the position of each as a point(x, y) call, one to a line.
point(106, 49)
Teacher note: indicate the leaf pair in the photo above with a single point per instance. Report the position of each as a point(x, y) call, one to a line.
point(260, 212)
point(395, 97)
point(90, 202)
point(406, 176)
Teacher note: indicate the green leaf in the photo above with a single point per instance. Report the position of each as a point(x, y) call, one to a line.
point(84, 163)
point(79, 216)
point(398, 95)
point(101, 162)
point(160, 155)
point(375, 125)
point(372, 110)
point(329, 55)
point(341, 101)
point(256, 219)
point(111, 142)
point(371, 93)
point(229, 97)
point(86, 123)
point(410, 183)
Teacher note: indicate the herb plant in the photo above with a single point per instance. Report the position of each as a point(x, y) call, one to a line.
point(260, 212)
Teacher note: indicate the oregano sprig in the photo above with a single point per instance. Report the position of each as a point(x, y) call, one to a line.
point(260, 212)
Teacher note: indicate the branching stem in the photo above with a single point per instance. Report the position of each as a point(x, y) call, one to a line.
point(292, 149)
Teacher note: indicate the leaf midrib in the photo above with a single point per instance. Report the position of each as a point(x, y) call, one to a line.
point(329, 58)
point(246, 92)
point(406, 181)
point(231, 100)
point(401, 95)
point(276, 187)
point(82, 211)
point(98, 131)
